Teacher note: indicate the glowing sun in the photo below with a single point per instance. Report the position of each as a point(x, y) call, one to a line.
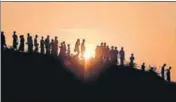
point(87, 55)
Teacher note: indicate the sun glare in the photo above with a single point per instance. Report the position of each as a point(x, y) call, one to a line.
point(87, 55)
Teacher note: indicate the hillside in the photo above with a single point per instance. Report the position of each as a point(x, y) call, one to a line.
point(36, 77)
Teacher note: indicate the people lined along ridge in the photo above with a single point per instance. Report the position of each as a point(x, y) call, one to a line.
point(50, 46)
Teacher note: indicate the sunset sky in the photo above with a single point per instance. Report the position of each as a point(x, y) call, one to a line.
point(147, 29)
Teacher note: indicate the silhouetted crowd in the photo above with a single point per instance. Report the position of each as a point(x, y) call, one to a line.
point(102, 51)
point(47, 45)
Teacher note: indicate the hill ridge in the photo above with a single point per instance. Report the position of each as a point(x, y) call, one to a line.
point(36, 77)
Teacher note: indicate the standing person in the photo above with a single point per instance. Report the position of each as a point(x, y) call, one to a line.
point(42, 43)
point(116, 55)
point(28, 41)
point(112, 54)
point(56, 42)
point(30, 44)
point(22, 40)
point(64, 48)
point(77, 44)
point(107, 53)
point(15, 40)
point(47, 44)
point(143, 67)
point(52, 47)
point(168, 74)
point(36, 44)
point(83, 48)
point(61, 49)
point(163, 71)
point(104, 50)
point(101, 51)
point(3, 41)
point(132, 60)
point(122, 56)
point(68, 49)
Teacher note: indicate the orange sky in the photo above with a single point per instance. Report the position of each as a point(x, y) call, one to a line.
point(147, 29)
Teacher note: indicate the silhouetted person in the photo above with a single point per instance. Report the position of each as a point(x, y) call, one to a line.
point(162, 71)
point(132, 61)
point(68, 49)
point(3, 41)
point(104, 50)
point(143, 67)
point(36, 44)
point(112, 53)
point(15, 40)
point(64, 48)
point(116, 55)
point(107, 53)
point(56, 42)
point(30, 44)
point(77, 44)
point(47, 45)
point(83, 48)
point(28, 41)
point(42, 45)
point(168, 74)
point(22, 42)
point(61, 53)
point(101, 51)
point(52, 46)
point(122, 56)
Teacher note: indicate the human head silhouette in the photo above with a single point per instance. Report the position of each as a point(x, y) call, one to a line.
point(164, 64)
point(63, 42)
point(143, 63)
point(42, 37)
point(101, 44)
point(2, 33)
point(14, 32)
point(170, 68)
point(112, 47)
point(28, 34)
point(52, 40)
point(104, 44)
point(48, 36)
point(107, 46)
point(55, 37)
point(115, 48)
point(132, 54)
point(68, 45)
point(121, 48)
point(36, 36)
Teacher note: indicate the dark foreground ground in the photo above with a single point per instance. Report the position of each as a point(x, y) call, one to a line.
point(35, 77)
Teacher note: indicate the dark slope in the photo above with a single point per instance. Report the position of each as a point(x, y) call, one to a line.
point(34, 77)
point(124, 83)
